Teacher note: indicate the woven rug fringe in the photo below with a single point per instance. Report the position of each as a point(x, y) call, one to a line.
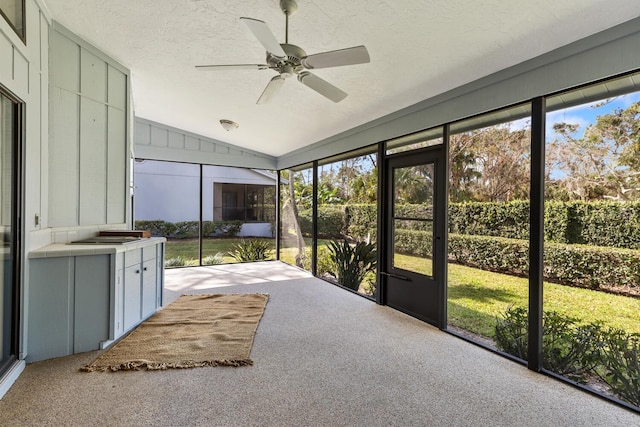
point(150, 366)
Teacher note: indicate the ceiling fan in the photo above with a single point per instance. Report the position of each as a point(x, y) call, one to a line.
point(288, 59)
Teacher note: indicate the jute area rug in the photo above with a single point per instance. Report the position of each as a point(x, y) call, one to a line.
point(193, 331)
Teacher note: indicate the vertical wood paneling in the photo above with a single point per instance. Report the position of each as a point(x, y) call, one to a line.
point(65, 63)
point(20, 72)
point(88, 158)
point(93, 73)
point(63, 158)
point(6, 53)
point(143, 134)
point(93, 162)
point(41, 207)
point(176, 140)
point(117, 89)
point(116, 158)
point(191, 143)
point(159, 137)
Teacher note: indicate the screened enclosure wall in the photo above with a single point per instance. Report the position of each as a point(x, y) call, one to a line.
point(591, 317)
point(236, 222)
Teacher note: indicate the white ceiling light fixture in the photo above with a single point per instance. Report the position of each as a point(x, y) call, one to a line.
point(229, 125)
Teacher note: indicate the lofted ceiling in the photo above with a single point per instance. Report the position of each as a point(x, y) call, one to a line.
point(418, 49)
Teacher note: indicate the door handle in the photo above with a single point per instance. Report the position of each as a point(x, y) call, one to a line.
point(395, 276)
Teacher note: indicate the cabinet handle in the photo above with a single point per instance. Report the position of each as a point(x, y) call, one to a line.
point(145, 269)
point(137, 271)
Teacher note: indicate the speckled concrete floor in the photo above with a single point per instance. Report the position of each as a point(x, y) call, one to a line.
point(323, 357)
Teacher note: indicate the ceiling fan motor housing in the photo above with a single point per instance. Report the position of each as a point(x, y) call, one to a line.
point(291, 63)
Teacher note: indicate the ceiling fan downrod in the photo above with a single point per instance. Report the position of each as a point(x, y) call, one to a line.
point(288, 7)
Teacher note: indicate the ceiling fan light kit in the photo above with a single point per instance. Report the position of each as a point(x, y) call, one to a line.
point(288, 59)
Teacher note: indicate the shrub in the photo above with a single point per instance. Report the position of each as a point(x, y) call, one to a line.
point(578, 265)
point(593, 267)
point(250, 250)
point(352, 263)
point(504, 219)
point(601, 223)
point(609, 223)
point(498, 254)
point(331, 221)
point(189, 229)
point(157, 227)
point(324, 264)
point(577, 350)
point(361, 222)
point(568, 348)
point(221, 228)
point(178, 261)
point(416, 243)
point(186, 230)
point(511, 334)
point(620, 361)
point(216, 259)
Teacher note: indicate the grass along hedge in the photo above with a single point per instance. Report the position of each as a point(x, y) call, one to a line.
point(610, 269)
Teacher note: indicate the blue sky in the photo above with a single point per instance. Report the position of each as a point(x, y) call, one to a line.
point(585, 114)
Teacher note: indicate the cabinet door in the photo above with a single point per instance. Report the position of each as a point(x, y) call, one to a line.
point(132, 296)
point(149, 288)
point(91, 302)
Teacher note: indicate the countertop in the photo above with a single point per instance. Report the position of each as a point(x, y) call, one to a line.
point(65, 249)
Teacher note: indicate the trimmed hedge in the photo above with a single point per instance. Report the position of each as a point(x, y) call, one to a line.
point(510, 256)
point(331, 221)
point(593, 267)
point(612, 224)
point(603, 223)
point(189, 229)
point(362, 222)
point(414, 242)
point(509, 219)
point(584, 242)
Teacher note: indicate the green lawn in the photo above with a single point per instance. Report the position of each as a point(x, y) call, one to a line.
point(188, 249)
point(475, 297)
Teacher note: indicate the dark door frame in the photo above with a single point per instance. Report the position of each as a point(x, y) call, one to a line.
point(16, 236)
point(438, 155)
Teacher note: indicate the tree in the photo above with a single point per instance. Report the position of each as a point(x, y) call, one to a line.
point(462, 171)
point(603, 162)
point(490, 164)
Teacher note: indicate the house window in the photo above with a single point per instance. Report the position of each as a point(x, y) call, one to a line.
point(13, 12)
point(244, 202)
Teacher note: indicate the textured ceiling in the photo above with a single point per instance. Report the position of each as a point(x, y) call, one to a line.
point(418, 49)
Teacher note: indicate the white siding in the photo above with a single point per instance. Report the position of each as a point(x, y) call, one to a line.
point(88, 135)
point(155, 141)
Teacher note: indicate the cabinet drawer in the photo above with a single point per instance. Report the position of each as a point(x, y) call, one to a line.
point(132, 257)
point(149, 252)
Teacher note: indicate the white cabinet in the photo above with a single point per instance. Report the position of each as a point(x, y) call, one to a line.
point(83, 299)
point(142, 289)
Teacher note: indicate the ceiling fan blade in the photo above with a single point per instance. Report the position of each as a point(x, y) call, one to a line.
point(264, 35)
point(270, 91)
point(232, 67)
point(321, 86)
point(337, 58)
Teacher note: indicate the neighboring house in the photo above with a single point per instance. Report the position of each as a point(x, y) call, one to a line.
point(228, 194)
